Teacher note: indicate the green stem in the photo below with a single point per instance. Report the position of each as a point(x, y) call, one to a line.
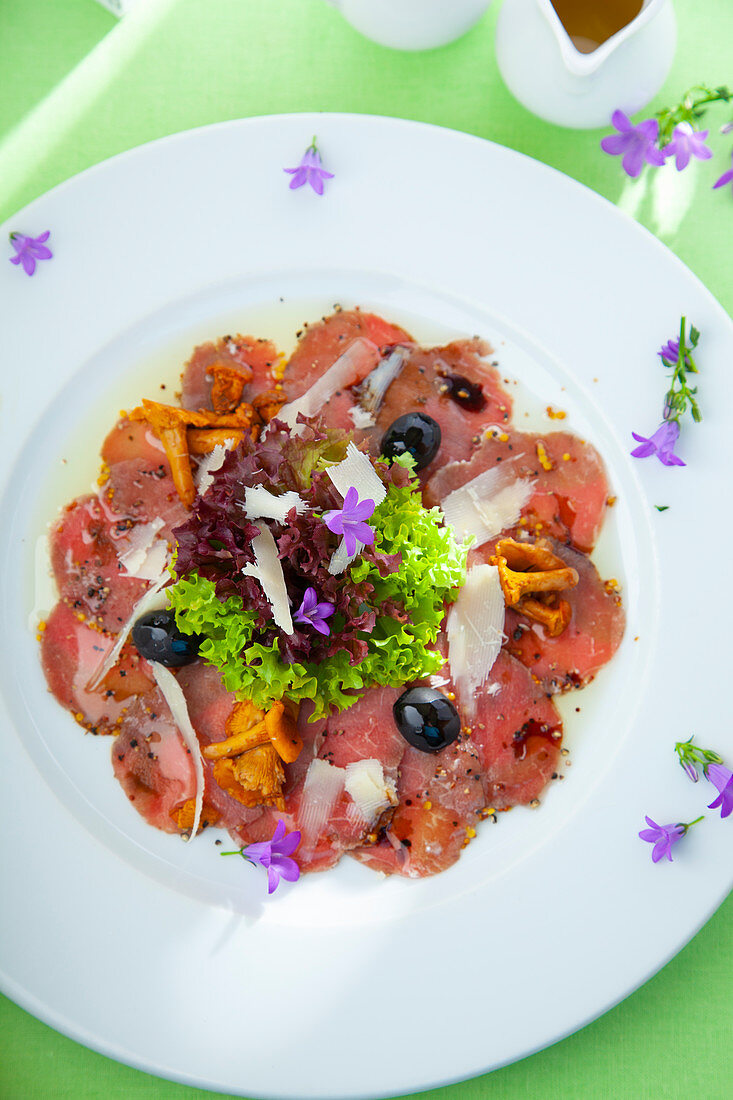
point(722, 95)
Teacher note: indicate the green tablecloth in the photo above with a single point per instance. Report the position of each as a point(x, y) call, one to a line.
point(77, 87)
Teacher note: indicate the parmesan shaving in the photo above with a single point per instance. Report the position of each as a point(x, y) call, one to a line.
point(145, 556)
point(323, 785)
point(487, 505)
point(172, 693)
point(209, 464)
point(260, 503)
point(377, 382)
point(269, 572)
point(361, 418)
point(357, 472)
point(156, 559)
point(475, 631)
point(341, 557)
point(348, 369)
point(372, 794)
point(155, 599)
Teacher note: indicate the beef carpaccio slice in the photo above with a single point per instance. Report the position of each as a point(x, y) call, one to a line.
point(72, 651)
point(457, 384)
point(440, 800)
point(570, 492)
point(152, 763)
point(90, 577)
point(256, 360)
point(90, 539)
point(363, 732)
point(511, 734)
point(139, 486)
point(505, 756)
point(322, 343)
point(589, 641)
point(517, 735)
point(209, 705)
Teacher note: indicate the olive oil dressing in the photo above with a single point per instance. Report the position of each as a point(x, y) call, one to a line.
point(590, 23)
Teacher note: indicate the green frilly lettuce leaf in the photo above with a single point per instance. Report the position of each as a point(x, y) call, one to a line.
point(432, 570)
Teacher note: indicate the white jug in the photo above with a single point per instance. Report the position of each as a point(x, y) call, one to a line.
point(412, 24)
point(573, 79)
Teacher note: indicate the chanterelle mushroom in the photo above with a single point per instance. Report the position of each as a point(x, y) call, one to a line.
point(531, 576)
point(171, 424)
point(248, 761)
point(255, 778)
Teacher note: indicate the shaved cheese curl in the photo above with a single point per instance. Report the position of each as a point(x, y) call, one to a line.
point(371, 792)
point(377, 382)
point(475, 631)
point(269, 572)
point(341, 558)
point(260, 503)
point(357, 472)
point(155, 599)
point(142, 551)
point(173, 694)
point(324, 783)
point(490, 503)
point(354, 472)
point(349, 368)
point(210, 463)
point(361, 418)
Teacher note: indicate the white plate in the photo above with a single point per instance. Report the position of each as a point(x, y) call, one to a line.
point(163, 955)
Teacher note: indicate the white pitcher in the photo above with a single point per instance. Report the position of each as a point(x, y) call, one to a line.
point(412, 24)
point(579, 82)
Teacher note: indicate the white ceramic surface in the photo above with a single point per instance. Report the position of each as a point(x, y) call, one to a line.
point(412, 24)
point(273, 997)
point(547, 74)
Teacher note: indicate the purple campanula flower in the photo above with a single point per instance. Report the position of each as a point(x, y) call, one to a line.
point(722, 779)
point(669, 353)
point(663, 837)
point(29, 250)
point(727, 177)
point(691, 771)
point(312, 613)
point(635, 143)
point(692, 755)
point(685, 143)
point(661, 444)
point(349, 521)
point(274, 855)
point(309, 170)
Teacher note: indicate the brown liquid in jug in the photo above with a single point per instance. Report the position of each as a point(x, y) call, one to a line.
point(590, 22)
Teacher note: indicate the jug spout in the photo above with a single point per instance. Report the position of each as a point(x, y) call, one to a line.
point(573, 62)
point(588, 33)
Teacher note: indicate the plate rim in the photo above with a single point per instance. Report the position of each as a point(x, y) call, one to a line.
point(183, 135)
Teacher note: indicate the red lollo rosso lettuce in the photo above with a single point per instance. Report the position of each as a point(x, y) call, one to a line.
point(388, 605)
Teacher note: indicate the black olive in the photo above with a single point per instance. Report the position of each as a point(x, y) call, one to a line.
point(415, 434)
point(157, 638)
point(426, 719)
